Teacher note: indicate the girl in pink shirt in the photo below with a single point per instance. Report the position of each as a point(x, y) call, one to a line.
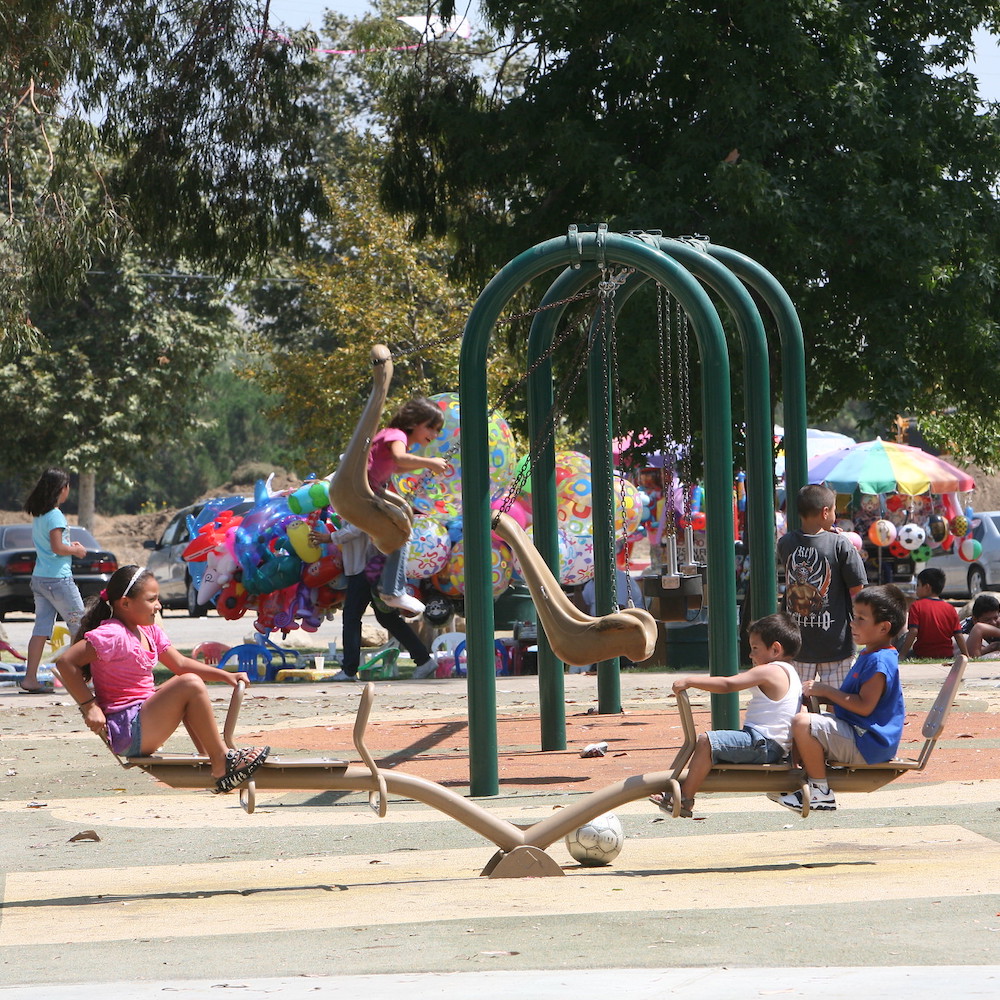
point(415, 423)
point(116, 647)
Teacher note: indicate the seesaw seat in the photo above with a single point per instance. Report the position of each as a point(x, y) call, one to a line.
point(784, 777)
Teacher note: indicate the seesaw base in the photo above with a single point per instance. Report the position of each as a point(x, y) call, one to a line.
point(522, 862)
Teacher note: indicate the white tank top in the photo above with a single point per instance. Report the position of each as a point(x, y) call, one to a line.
point(774, 718)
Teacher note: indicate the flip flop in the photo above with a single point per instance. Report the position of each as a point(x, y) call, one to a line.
point(41, 690)
point(240, 764)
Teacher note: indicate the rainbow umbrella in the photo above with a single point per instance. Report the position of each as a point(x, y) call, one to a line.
point(886, 467)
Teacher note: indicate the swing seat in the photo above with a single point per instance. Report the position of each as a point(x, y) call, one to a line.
point(785, 777)
point(682, 603)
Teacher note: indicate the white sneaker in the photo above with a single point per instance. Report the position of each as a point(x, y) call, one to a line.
point(341, 676)
point(409, 606)
point(818, 801)
point(425, 670)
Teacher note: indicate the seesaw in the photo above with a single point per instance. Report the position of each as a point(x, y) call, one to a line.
point(521, 852)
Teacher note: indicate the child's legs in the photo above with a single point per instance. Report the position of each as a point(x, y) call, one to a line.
point(53, 595)
point(183, 699)
point(819, 738)
point(728, 746)
point(393, 579)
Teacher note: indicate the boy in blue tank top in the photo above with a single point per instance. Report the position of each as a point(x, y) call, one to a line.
point(776, 697)
point(868, 710)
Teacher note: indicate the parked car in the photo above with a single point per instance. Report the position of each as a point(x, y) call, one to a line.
point(17, 561)
point(165, 563)
point(967, 579)
point(883, 567)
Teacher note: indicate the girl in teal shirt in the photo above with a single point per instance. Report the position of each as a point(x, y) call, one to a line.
point(52, 582)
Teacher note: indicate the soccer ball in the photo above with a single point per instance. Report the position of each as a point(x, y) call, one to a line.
point(597, 842)
point(911, 536)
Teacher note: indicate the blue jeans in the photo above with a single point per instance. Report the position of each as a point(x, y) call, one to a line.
point(743, 746)
point(56, 594)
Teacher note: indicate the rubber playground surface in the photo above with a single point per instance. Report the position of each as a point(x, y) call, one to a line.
point(110, 878)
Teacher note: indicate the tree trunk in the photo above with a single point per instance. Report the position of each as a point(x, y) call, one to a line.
point(85, 503)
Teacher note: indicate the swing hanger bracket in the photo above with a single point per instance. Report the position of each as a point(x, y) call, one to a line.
point(601, 244)
point(575, 240)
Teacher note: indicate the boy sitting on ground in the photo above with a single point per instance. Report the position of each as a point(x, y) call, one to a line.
point(982, 627)
point(868, 711)
point(933, 623)
point(776, 696)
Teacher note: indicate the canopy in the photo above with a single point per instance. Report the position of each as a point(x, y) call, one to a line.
point(817, 442)
point(886, 467)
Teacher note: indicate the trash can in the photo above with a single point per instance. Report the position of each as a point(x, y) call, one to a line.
point(513, 605)
point(681, 646)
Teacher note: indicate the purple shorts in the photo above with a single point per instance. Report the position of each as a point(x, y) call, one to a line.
point(124, 730)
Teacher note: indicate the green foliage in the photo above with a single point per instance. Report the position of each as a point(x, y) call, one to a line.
point(118, 380)
point(841, 145)
point(184, 118)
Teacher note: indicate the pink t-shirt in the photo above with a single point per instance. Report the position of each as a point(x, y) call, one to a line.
point(381, 463)
point(123, 670)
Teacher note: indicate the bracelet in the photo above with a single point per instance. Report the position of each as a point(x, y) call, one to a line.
point(84, 704)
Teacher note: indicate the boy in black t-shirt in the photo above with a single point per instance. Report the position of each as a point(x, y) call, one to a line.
point(823, 572)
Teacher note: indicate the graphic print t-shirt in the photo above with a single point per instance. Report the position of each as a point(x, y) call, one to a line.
point(820, 571)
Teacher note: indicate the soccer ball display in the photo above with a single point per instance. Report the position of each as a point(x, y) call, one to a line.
point(597, 842)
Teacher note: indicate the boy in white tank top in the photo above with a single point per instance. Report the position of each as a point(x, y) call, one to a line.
point(776, 697)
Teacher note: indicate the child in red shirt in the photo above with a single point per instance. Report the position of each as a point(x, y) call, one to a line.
point(932, 623)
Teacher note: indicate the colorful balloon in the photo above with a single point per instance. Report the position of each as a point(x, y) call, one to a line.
point(959, 525)
point(970, 549)
point(429, 549)
point(882, 532)
point(441, 496)
point(576, 559)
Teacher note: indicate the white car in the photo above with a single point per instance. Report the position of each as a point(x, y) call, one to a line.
point(967, 579)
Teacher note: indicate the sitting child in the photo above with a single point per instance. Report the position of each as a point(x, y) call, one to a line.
point(932, 623)
point(868, 711)
point(982, 627)
point(777, 695)
point(116, 647)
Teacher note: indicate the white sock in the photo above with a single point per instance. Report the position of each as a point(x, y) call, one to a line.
point(821, 786)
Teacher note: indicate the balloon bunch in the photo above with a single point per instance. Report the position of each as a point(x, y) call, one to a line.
point(264, 560)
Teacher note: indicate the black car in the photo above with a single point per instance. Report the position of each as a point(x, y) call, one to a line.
point(17, 561)
point(177, 590)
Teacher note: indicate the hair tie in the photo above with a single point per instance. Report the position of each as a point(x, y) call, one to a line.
point(104, 595)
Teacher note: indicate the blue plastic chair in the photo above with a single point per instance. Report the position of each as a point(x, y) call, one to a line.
point(503, 668)
point(248, 656)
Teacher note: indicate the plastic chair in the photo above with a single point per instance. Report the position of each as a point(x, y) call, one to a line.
point(59, 638)
point(247, 656)
point(289, 659)
point(382, 666)
point(209, 652)
point(501, 654)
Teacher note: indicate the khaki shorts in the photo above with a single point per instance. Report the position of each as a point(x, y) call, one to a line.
point(836, 737)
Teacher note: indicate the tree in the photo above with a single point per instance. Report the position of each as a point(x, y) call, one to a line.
point(374, 284)
point(841, 145)
point(118, 377)
point(184, 116)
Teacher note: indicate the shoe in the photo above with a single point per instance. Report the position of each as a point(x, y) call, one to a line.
point(240, 765)
point(666, 804)
point(410, 607)
point(340, 675)
point(818, 801)
point(425, 670)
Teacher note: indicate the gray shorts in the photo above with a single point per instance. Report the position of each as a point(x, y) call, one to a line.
point(836, 737)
